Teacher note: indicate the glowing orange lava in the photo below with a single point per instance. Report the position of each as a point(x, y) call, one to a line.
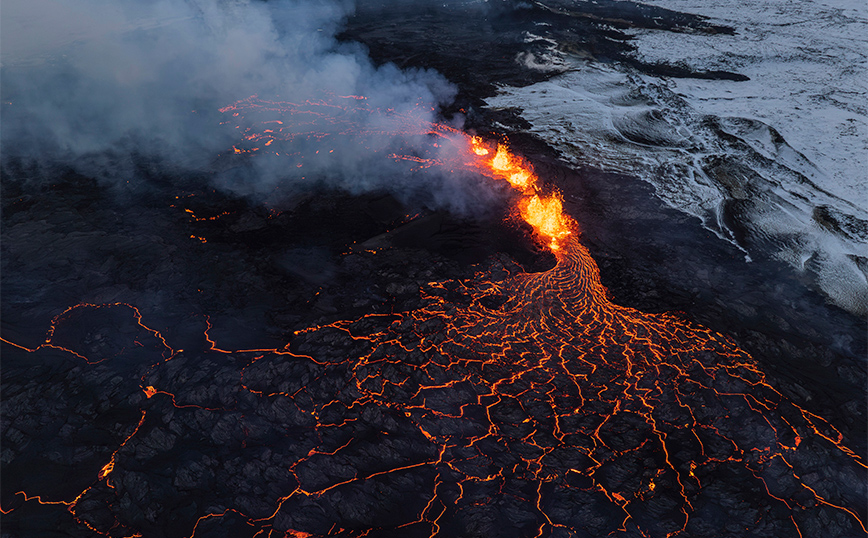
point(546, 215)
point(543, 212)
point(517, 389)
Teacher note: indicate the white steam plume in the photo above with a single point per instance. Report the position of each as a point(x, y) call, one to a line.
point(88, 83)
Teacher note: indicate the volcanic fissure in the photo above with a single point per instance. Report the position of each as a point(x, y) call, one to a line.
point(501, 392)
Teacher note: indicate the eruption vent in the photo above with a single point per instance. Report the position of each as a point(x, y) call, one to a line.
point(506, 397)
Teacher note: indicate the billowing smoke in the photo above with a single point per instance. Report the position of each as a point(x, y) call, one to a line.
point(100, 85)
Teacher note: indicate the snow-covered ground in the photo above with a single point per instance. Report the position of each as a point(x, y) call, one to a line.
point(806, 60)
point(776, 164)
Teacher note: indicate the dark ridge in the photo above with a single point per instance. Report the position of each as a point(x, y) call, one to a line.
point(625, 14)
point(477, 46)
point(661, 69)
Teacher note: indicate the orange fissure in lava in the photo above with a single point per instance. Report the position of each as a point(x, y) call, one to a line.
point(556, 399)
point(545, 213)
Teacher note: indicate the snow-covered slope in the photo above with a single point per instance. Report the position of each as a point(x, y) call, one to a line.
point(807, 63)
point(776, 164)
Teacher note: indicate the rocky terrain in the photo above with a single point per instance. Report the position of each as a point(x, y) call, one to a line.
point(182, 360)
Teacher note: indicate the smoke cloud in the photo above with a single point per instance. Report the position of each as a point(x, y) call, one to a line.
point(93, 83)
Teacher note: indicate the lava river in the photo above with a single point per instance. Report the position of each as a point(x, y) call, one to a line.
point(507, 404)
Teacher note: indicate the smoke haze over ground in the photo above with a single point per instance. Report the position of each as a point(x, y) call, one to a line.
point(103, 86)
point(240, 297)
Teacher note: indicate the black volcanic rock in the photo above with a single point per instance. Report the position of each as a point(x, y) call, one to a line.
point(247, 369)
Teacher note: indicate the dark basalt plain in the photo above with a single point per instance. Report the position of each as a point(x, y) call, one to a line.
point(211, 442)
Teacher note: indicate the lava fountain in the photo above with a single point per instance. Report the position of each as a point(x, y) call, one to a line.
point(527, 401)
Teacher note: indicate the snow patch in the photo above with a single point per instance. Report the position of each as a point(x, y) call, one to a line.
point(734, 171)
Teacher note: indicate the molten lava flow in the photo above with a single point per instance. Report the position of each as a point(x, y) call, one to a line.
point(450, 149)
point(508, 397)
point(546, 215)
point(477, 146)
point(517, 175)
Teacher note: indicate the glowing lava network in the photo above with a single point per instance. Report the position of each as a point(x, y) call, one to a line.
point(520, 393)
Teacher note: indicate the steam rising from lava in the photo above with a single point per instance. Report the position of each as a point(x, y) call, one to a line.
point(533, 387)
point(135, 84)
point(528, 386)
point(302, 143)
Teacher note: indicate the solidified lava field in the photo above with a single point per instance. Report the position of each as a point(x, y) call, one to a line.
point(182, 359)
point(503, 403)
